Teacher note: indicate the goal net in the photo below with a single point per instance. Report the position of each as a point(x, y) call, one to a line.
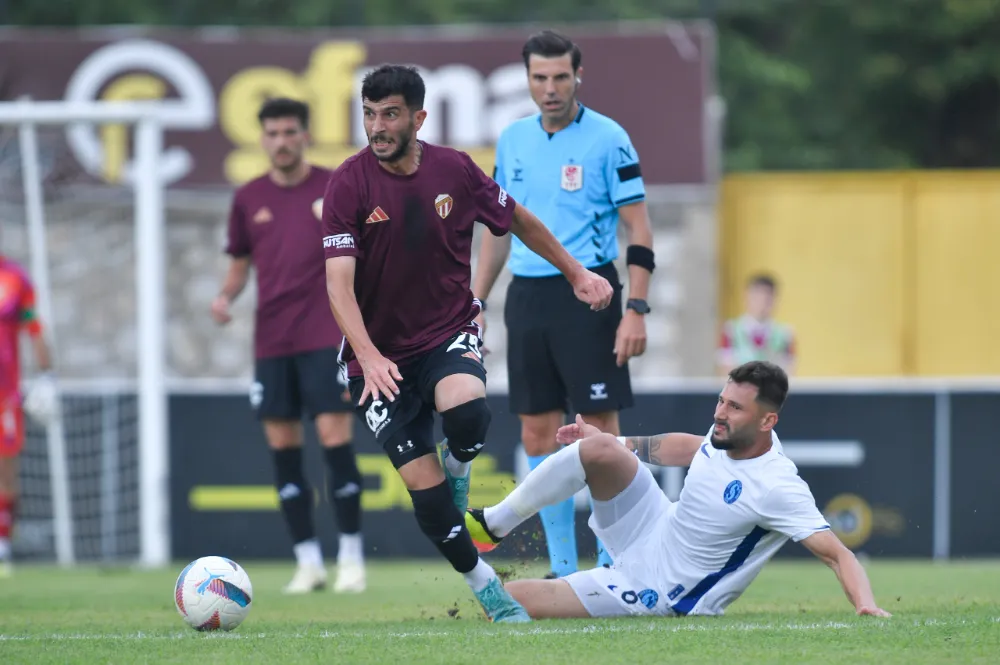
point(93, 484)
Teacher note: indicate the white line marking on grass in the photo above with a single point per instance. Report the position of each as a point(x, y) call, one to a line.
point(661, 626)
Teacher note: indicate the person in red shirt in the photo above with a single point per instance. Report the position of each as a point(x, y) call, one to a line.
point(17, 315)
point(275, 226)
point(398, 220)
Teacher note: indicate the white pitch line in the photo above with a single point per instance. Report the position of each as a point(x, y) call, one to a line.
point(663, 626)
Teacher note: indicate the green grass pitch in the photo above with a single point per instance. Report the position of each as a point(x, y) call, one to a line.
point(421, 612)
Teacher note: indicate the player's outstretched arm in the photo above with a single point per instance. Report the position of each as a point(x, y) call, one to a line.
point(673, 449)
point(588, 286)
point(828, 548)
point(381, 373)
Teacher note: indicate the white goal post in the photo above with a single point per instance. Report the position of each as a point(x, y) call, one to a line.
point(150, 284)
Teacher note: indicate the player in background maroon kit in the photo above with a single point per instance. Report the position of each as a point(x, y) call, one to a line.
point(398, 221)
point(275, 225)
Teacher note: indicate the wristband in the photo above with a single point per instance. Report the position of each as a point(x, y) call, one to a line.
point(637, 255)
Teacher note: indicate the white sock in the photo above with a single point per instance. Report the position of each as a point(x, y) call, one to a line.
point(4, 548)
point(456, 468)
point(350, 549)
point(307, 553)
point(556, 479)
point(480, 576)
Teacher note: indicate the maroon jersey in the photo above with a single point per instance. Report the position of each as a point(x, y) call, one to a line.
point(280, 229)
point(412, 237)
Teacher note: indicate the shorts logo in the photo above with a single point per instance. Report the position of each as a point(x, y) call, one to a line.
point(598, 391)
point(572, 178)
point(647, 597)
point(443, 204)
point(317, 207)
point(339, 241)
point(733, 491)
point(676, 591)
point(502, 198)
point(377, 416)
point(256, 394)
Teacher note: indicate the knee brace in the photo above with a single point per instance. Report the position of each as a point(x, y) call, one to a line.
point(465, 427)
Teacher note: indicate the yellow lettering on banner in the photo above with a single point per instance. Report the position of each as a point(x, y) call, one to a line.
point(330, 79)
point(114, 138)
point(327, 85)
point(488, 487)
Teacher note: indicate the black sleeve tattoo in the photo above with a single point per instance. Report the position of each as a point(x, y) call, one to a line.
point(646, 448)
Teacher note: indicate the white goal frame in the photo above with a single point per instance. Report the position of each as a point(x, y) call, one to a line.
point(150, 279)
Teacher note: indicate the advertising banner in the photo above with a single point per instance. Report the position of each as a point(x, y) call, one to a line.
point(653, 79)
point(868, 458)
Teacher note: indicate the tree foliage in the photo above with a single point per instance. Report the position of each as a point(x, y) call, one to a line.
point(808, 84)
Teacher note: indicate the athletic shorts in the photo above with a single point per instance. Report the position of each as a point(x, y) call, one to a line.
point(631, 527)
point(11, 426)
point(559, 352)
point(310, 382)
point(405, 427)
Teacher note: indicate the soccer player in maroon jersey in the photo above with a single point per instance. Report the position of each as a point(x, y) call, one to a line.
point(398, 221)
point(275, 225)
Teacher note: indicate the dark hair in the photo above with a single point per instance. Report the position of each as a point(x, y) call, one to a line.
point(549, 44)
point(771, 381)
point(282, 107)
point(763, 279)
point(390, 80)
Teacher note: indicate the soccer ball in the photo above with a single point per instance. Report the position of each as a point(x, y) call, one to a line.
point(213, 593)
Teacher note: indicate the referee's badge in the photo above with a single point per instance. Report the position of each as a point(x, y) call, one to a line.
point(572, 177)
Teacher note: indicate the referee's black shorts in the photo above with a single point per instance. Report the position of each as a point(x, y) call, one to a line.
point(560, 354)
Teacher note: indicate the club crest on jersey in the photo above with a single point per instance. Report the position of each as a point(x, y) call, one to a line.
point(572, 177)
point(732, 492)
point(318, 209)
point(443, 204)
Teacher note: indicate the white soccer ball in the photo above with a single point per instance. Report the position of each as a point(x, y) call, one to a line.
point(213, 593)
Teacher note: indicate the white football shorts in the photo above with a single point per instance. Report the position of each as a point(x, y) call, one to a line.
point(630, 526)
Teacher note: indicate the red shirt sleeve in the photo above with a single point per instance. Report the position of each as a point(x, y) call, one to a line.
point(341, 225)
point(494, 204)
point(238, 236)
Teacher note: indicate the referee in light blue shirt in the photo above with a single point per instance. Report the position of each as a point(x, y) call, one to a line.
point(579, 172)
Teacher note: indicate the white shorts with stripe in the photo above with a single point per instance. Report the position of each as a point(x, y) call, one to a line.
point(630, 526)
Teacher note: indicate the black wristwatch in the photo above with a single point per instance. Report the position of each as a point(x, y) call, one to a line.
point(638, 305)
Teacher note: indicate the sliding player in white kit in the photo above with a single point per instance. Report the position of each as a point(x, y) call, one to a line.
point(742, 500)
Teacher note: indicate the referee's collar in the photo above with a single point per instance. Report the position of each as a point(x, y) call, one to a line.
point(576, 120)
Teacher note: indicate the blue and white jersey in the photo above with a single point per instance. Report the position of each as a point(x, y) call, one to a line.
point(574, 180)
point(731, 518)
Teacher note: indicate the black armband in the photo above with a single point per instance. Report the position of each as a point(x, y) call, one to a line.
point(637, 255)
